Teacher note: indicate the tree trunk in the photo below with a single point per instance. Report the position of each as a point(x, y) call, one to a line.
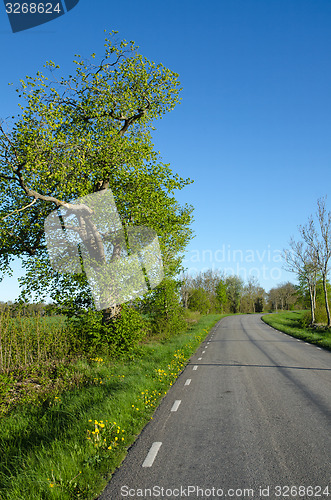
point(326, 299)
point(111, 313)
point(312, 304)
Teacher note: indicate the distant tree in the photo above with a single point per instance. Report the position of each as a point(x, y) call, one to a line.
point(259, 304)
point(221, 294)
point(234, 288)
point(186, 288)
point(199, 301)
point(283, 297)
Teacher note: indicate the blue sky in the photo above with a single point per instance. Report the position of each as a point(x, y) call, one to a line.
point(253, 128)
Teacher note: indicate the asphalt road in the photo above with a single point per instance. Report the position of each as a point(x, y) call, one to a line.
point(253, 422)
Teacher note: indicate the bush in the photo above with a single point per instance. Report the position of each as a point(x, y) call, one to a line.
point(124, 333)
point(320, 316)
point(305, 320)
point(119, 336)
point(164, 309)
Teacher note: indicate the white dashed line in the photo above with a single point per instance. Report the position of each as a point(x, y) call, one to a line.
point(176, 404)
point(151, 455)
point(319, 348)
point(199, 359)
point(188, 381)
point(203, 352)
point(195, 367)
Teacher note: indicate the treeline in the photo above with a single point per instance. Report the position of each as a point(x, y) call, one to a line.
point(285, 297)
point(15, 309)
point(212, 291)
point(207, 292)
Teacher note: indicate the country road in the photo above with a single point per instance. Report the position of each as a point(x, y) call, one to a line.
point(249, 417)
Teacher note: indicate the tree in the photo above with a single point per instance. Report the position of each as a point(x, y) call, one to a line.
point(319, 243)
point(199, 301)
point(208, 281)
point(186, 288)
point(234, 288)
point(283, 296)
point(221, 294)
point(84, 134)
point(252, 295)
point(303, 261)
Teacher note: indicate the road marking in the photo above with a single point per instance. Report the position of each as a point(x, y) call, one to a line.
point(199, 359)
point(298, 340)
point(203, 352)
point(176, 405)
point(319, 348)
point(151, 455)
point(195, 367)
point(188, 381)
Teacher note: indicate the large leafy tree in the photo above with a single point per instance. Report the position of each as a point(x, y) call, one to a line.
point(81, 134)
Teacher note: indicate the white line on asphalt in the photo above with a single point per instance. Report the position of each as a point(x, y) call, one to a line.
point(319, 348)
point(199, 359)
point(151, 455)
point(195, 367)
point(188, 381)
point(176, 405)
point(203, 352)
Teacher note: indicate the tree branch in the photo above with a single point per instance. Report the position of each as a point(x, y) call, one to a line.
point(20, 209)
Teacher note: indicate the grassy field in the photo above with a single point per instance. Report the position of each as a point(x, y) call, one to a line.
point(291, 322)
point(67, 446)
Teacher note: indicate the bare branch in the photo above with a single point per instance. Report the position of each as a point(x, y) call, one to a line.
point(20, 209)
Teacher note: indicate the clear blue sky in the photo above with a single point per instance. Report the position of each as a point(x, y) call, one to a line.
point(253, 128)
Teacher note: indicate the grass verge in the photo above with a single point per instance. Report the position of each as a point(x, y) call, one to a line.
point(290, 322)
point(68, 446)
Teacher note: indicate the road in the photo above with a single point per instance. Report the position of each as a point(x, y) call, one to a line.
point(254, 419)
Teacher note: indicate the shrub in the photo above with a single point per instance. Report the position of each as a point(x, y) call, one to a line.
point(119, 336)
point(305, 320)
point(124, 333)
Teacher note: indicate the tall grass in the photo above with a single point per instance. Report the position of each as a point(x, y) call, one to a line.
point(29, 340)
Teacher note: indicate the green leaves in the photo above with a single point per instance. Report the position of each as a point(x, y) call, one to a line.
point(81, 133)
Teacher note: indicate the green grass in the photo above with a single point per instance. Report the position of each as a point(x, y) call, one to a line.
point(66, 446)
point(290, 322)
